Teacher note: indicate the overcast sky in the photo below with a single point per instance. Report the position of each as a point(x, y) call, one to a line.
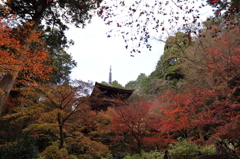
point(94, 53)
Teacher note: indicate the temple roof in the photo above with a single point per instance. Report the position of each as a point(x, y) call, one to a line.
point(103, 96)
point(111, 91)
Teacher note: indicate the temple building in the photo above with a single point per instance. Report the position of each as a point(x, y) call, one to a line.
point(104, 96)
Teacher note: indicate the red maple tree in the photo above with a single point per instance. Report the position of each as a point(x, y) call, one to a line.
point(136, 125)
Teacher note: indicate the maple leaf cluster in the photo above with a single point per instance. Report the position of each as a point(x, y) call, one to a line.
point(16, 57)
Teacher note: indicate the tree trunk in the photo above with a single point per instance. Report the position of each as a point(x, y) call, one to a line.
point(61, 144)
point(61, 135)
point(6, 85)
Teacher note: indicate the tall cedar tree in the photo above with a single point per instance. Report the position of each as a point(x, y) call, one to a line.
point(61, 61)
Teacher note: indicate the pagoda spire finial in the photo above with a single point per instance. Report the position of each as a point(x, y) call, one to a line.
point(110, 76)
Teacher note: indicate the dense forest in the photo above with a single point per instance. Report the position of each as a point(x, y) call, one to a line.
point(189, 106)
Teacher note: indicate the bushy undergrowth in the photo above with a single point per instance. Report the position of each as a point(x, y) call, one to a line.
point(143, 155)
point(22, 148)
point(148, 155)
point(185, 150)
point(208, 150)
point(180, 150)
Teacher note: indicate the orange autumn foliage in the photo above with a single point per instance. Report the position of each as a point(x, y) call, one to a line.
point(15, 57)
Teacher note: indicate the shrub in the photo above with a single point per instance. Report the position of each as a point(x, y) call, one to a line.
point(108, 156)
point(23, 147)
point(53, 152)
point(183, 149)
point(208, 150)
point(146, 155)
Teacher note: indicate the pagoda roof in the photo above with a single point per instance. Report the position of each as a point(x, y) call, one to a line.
point(104, 96)
point(110, 91)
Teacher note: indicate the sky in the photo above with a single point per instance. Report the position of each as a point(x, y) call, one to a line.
point(94, 53)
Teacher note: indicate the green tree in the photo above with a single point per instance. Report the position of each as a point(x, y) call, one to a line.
point(105, 83)
point(169, 67)
point(141, 79)
point(25, 147)
point(131, 85)
point(116, 84)
point(138, 83)
point(183, 149)
point(172, 57)
point(61, 61)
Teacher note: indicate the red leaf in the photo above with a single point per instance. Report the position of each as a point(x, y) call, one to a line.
point(213, 1)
